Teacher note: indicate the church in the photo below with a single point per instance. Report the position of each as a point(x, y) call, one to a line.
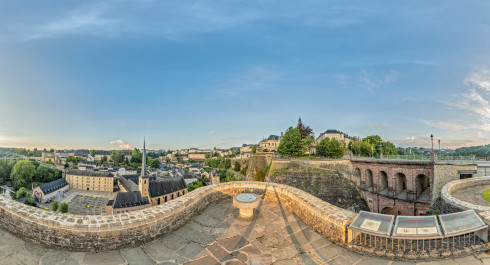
point(143, 191)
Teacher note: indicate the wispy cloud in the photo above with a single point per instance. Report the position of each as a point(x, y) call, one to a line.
point(476, 100)
point(367, 80)
point(89, 20)
point(254, 79)
point(211, 132)
point(121, 144)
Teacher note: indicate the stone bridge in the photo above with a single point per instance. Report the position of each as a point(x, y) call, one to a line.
point(396, 187)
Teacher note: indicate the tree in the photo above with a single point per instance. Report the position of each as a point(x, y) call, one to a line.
point(21, 193)
point(305, 131)
point(291, 143)
point(259, 175)
point(254, 150)
point(238, 166)
point(207, 155)
point(306, 144)
point(51, 151)
point(67, 165)
point(54, 206)
point(22, 173)
point(93, 152)
point(117, 157)
point(64, 207)
point(103, 160)
point(31, 202)
point(5, 170)
point(155, 163)
point(331, 148)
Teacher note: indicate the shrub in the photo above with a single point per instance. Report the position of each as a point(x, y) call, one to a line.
point(21, 193)
point(64, 207)
point(54, 206)
point(31, 202)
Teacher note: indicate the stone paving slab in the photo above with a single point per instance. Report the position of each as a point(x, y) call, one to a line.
point(219, 236)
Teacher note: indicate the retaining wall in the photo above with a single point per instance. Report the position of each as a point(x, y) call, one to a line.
point(112, 232)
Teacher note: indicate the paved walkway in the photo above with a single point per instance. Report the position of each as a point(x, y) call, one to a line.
point(472, 194)
point(217, 236)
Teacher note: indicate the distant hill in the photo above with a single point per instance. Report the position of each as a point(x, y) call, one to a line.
point(478, 151)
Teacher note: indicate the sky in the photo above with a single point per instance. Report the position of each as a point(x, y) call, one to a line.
point(105, 74)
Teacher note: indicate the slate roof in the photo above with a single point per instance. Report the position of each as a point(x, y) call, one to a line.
point(53, 186)
point(272, 137)
point(163, 187)
point(89, 173)
point(129, 199)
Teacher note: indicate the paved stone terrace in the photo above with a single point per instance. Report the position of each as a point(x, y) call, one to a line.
point(217, 236)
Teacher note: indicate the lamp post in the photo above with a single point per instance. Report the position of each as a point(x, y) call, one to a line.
point(440, 152)
point(432, 140)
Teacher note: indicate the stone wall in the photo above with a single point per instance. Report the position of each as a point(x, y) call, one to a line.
point(111, 232)
point(448, 189)
point(331, 186)
point(445, 173)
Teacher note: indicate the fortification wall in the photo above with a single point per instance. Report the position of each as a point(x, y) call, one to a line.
point(111, 232)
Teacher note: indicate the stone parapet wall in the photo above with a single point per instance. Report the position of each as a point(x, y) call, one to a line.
point(111, 232)
point(452, 186)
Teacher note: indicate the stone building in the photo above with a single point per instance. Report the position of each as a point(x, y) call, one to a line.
point(127, 202)
point(333, 134)
point(270, 144)
point(91, 180)
point(141, 191)
point(50, 191)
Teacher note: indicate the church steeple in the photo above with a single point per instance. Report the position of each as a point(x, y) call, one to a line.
point(143, 180)
point(143, 166)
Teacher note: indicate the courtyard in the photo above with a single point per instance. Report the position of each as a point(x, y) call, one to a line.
point(84, 202)
point(218, 236)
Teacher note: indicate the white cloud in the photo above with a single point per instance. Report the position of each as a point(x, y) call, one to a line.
point(455, 126)
point(122, 144)
point(86, 20)
point(476, 100)
point(367, 80)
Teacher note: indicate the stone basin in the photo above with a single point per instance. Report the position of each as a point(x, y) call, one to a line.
point(246, 203)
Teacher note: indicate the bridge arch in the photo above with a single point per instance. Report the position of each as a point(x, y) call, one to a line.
point(369, 178)
point(401, 182)
point(421, 183)
point(383, 180)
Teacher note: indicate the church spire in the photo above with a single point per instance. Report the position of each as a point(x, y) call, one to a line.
point(143, 166)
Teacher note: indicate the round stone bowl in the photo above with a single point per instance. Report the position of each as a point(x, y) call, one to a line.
point(246, 203)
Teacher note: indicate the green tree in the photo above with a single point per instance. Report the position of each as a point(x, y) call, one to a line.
point(291, 143)
point(5, 170)
point(117, 157)
point(254, 150)
point(307, 144)
point(155, 163)
point(67, 165)
point(21, 193)
point(54, 206)
point(207, 155)
point(238, 166)
point(31, 202)
point(103, 160)
point(259, 175)
point(64, 207)
point(93, 152)
point(22, 173)
point(46, 174)
point(331, 148)
point(51, 151)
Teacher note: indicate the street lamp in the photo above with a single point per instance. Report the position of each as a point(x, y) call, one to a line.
point(440, 154)
point(432, 140)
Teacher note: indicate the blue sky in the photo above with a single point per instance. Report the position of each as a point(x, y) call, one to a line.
point(223, 73)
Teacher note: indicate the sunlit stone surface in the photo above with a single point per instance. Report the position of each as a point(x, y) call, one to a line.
point(217, 236)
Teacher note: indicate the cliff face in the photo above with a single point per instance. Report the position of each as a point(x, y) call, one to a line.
point(330, 186)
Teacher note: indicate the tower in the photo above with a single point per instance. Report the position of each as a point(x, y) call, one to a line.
point(143, 180)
